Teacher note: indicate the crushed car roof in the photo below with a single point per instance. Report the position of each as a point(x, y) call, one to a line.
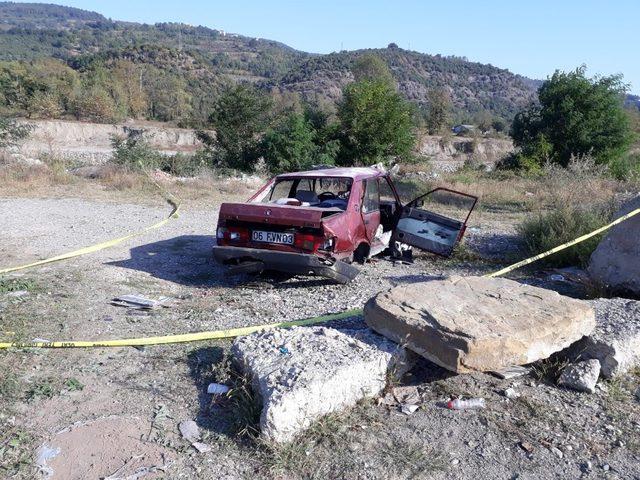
point(356, 173)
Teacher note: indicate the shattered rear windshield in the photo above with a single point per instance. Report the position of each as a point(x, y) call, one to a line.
point(323, 192)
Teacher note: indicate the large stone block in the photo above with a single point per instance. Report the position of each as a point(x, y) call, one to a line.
point(616, 338)
point(304, 373)
point(615, 263)
point(469, 324)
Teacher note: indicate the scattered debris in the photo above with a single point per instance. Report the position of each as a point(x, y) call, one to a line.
point(406, 395)
point(581, 376)
point(469, 324)
point(409, 409)
point(18, 293)
point(217, 389)
point(140, 303)
point(191, 433)
point(201, 447)
point(189, 430)
point(512, 371)
point(616, 338)
point(510, 393)
point(328, 370)
point(468, 404)
point(43, 455)
point(556, 451)
point(527, 447)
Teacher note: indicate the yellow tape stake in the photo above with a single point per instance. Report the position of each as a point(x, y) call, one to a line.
point(217, 334)
point(100, 246)
point(185, 337)
point(535, 258)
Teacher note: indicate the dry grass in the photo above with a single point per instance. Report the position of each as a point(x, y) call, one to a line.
point(55, 178)
point(581, 184)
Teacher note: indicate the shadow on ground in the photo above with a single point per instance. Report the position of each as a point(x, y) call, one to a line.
point(187, 260)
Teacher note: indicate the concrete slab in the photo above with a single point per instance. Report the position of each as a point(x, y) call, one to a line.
point(304, 373)
point(467, 324)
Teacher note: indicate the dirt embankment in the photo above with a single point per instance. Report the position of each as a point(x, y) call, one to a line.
point(450, 153)
point(90, 143)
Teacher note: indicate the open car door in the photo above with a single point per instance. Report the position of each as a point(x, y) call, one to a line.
point(432, 231)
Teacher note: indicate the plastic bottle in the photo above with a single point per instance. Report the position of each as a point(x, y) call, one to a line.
point(469, 404)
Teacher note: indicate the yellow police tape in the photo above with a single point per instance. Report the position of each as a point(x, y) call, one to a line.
point(218, 334)
point(185, 337)
point(100, 246)
point(535, 258)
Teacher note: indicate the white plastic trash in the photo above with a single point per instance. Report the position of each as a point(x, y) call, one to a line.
point(217, 389)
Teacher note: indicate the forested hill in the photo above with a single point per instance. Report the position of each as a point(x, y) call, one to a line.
point(59, 61)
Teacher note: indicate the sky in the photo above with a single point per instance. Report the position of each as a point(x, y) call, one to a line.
point(532, 38)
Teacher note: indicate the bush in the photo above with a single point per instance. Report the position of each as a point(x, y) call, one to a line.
point(134, 154)
point(626, 168)
point(550, 229)
point(11, 132)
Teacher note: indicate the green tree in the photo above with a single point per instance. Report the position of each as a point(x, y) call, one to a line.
point(240, 115)
point(376, 123)
point(371, 67)
point(438, 110)
point(577, 116)
point(11, 132)
point(290, 146)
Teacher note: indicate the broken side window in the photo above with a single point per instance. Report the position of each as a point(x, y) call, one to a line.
point(371, 201)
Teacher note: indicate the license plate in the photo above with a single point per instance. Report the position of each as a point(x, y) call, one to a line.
point(272, 237)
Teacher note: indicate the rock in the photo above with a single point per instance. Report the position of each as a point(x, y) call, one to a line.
point(616, 338)
point(409, 409)
point(479, 324)
point(557, 452)
point(511, 371)
point(201, 447)
point(581, 376)
point(406, 395)
point(511, 393)
point(325, 371)
point(615, 263)
point(189, 430)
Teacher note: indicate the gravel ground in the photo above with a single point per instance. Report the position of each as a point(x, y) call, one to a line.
point(155, 388)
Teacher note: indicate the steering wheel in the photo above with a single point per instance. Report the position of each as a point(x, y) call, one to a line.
point(327, 196)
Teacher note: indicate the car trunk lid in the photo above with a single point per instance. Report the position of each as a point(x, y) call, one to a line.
point(270, 214)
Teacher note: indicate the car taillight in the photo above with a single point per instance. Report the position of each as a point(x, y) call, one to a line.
point(329, 244)
point(306, 241)
point(232, 234)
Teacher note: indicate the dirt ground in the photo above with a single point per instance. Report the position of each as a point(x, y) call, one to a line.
point(114, 413)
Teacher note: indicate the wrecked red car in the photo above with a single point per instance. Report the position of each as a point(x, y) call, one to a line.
point(319, 222)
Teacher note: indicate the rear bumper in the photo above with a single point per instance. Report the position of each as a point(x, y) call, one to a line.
point(255, 260)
